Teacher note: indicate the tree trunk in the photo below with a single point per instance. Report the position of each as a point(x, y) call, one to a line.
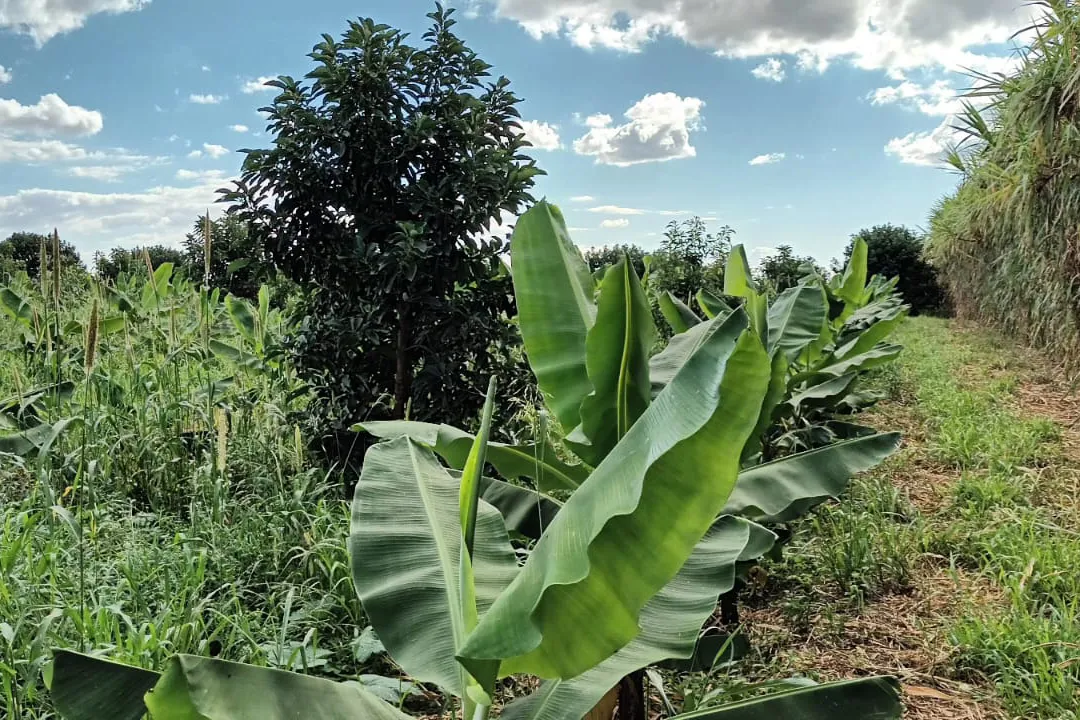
point(632, 696)
point(403, 372)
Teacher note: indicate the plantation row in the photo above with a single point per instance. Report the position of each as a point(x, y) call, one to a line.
point(590, 555)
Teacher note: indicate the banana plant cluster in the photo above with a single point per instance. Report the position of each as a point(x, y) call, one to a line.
point(824, 336)
point(658, 516)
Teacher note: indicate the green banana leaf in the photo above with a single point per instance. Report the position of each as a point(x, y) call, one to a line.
point(785, 489)
point(881, 325)
point(876, 698)
point(666, 364)
point(795, 320)
point(554, 293)
point(632, 525)
point(405, 547)
point(90, 688)
point(538, 461)
point(242, 316)
point(194, 688)
point(712, 305)
point(617, 357)
point(778, 388)
point(738, 281)
point(680, 317)
point(524, 510)
point(825, 394)
point(852, 287)
point(880, 355)
point(671, 622)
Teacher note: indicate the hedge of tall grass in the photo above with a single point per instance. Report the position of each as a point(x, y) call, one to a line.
point(1007, 242)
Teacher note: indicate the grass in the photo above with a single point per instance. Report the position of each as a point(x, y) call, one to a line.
point(1000, 514)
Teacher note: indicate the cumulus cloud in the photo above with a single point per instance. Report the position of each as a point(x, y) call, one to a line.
point(50, 116)
point(258, 85)
point(215, 151)
point(101, 173)
point(658, 129)
point(195, 154)
point(890, 35)
point(772, 70)
point(201, 175)
point(5, 75)
point(98, 221)
point(542, 135)
point(206, 99)
point(613, 223)
point(582, 198)
point(937, 98)
point(768, 158)
point(925, 148)
point(36, 152)
point(616, 210)
point(239, 128)
point(45, 19)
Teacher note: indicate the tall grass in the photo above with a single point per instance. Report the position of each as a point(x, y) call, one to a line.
point(174, 510)
point(1008, 241)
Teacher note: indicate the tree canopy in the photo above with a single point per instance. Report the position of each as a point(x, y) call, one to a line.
point(897, 251)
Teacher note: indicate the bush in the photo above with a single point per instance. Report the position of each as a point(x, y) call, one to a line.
point(896, 251)
point(133, 261)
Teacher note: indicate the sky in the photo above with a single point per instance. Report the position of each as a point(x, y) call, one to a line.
point(795, 122)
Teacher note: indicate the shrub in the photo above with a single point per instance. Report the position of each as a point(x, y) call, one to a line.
point(896, 251)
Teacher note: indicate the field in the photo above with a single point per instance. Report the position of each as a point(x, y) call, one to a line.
point(160, 500)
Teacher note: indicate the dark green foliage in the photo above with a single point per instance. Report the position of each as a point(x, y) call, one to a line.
point(691, 259)
point(783, 269)
point(896, 251)
point(608, 255)
point(22, 251)
point(133, 261)
point(238, 264)
point(389, 165)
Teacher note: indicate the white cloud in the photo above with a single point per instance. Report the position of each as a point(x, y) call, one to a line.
point(215, 151)
point(102, 173)
point(758, 255)
point(938, 98)
point(772, 69)
point(542, 135)
point(195, 154)
point(659, 129)
point(44, 19)
point(51, 115)
point(616, 210)
point(613, 223)
point(925, 148)
point(5, 75)
point(768, 158)
point(174, 137)
point(36, 152)
point(890, 35)
point(598, 120)
point(582, 199)
point(98, 221)
point(201, 175)
point(206, 68)
point(206, 99)
point(258, 85)
point(239, 128)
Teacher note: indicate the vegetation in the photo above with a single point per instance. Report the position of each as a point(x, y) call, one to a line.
point(895, 251)
point(405, 302)
point(784, 269)
point(22, 252)
point(1005, 242)
point(133, 261)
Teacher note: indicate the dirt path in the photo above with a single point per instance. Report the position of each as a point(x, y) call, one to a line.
point(962, 399)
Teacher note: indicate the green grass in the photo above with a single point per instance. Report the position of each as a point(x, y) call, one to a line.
point(1000, 520)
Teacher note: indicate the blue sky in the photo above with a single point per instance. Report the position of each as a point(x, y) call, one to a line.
point(794, 122)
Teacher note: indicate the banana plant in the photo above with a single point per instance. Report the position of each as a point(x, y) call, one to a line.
point(588, 339)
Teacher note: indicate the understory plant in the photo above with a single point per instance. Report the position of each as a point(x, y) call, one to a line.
point(619, 576)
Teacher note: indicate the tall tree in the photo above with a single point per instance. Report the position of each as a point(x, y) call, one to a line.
point(389, 165)
point(22, 251)
point(133, 260)
point(897, 251)
point(691, 258)
point(238, 263)
point(783, 269)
